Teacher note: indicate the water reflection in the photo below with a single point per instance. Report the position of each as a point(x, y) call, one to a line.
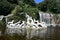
point(51, 33)
point(46, 33)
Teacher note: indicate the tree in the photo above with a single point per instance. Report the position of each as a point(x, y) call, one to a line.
point(25, 8)
point(42, 6)
point(13, 1)
point(30, 2)
point(49, 6)
point(5, 7)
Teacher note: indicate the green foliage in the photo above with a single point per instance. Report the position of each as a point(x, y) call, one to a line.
point(5, 7)
point(23, 8)
point(30, 10)
point(50, 6)
point(13, 1)
point(18, 16)
point(13, 37)
point(42, 6)
point(15, 10)
point(17, 6)
point(2, 26)
point(30, 2)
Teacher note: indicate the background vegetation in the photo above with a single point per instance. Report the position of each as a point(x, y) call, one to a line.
point(20, 7)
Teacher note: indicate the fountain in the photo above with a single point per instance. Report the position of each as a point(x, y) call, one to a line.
point(31, 27)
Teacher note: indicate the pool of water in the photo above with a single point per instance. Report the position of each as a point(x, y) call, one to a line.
point(51, 33)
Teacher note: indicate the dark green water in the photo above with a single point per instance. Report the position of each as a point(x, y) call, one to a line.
point(52, 33)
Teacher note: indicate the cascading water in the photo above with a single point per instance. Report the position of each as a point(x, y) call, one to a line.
point(47, 18)
point(30, 29)
point(32, 32)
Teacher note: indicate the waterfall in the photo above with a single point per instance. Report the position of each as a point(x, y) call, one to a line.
point(40, 14)
point(44, 17)
point(47, 18)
